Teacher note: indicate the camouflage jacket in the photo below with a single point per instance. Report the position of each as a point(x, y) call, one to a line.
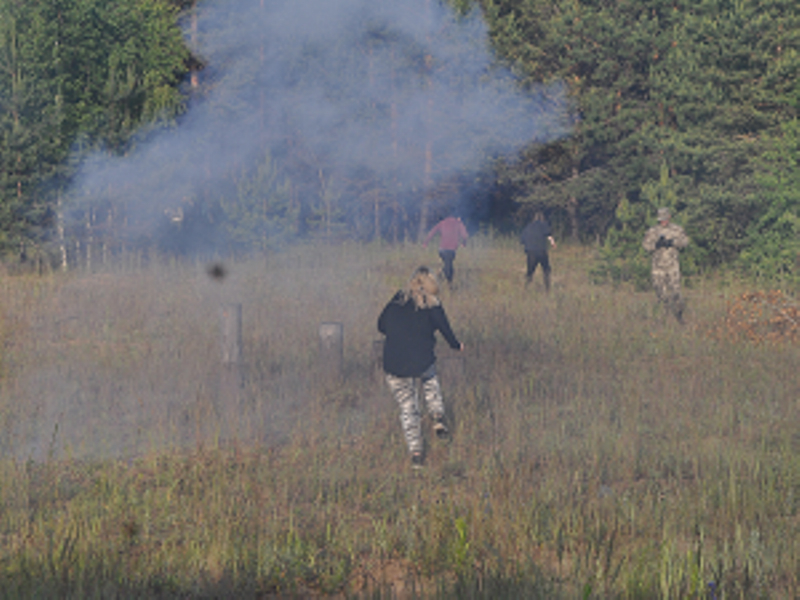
point(665, 258)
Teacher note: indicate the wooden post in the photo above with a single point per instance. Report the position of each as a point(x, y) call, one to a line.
point(331, 349)
point(231, 381)
point(231, 333)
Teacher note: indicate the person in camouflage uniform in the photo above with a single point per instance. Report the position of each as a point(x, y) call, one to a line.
point(664, 241)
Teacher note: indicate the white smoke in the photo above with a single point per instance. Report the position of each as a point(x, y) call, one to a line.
point(352, 85)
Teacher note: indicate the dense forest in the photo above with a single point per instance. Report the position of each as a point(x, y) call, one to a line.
point(688, 104)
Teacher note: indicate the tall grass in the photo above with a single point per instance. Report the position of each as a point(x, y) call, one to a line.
point(599, 449)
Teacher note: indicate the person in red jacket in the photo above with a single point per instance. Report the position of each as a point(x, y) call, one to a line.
point(453, 234)
point(409, 322)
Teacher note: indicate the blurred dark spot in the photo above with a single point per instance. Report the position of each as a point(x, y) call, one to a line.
point(130, 529)
point(216, 271)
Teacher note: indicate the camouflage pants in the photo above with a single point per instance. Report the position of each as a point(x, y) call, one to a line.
point(405, 392)
point(667, 284)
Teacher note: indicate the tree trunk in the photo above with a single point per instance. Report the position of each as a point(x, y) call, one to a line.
point(194, 78)
point(326, 201)
point(393, 128)
point(377, 233)
point(62, 244)
point(427, 179)
point(572, 211)
point(426, 191)
point(107, 236)
point(89, 238)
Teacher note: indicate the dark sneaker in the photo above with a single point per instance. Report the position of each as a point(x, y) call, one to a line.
point(439, 428)
point(417, 461)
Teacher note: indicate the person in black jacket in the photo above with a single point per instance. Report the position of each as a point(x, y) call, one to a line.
point(535, 238)
point(409, 322)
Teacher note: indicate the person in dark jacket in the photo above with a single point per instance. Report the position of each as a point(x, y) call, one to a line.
point(535, 238)
point(409, 322)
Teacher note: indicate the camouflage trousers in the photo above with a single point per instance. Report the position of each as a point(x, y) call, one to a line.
point(667, 284)
point(405, 392)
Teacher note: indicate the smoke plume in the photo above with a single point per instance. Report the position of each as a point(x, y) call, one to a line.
point(401, 94)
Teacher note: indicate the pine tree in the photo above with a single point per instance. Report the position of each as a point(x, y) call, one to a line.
point(772, 247)
point(701, 87)
point(87, 71)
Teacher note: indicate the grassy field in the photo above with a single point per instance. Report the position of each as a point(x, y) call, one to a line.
point(599, 449)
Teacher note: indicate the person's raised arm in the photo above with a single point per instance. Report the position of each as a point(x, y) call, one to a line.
point(430, 235)
point(650, 239)
point(443, 325)
point(680, 240)
point(463, 233)
point(382, 318)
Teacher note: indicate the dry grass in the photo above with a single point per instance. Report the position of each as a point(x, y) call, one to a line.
point(599, 449)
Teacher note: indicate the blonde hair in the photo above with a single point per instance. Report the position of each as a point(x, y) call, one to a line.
point(423, 288)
